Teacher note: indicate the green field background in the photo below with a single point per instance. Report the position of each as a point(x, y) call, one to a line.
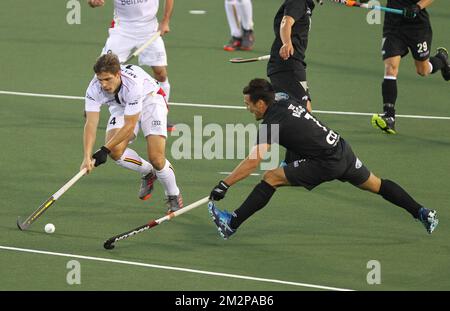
point(324, 237)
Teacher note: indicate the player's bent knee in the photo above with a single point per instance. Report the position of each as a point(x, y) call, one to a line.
point(273, 179)
point(372, 184)
point(116, 153)
point(391, 71)
point(160, 74)
point(157, 161)
point(391, 68)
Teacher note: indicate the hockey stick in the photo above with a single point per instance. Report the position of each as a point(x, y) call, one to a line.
point(49, 202)
point(109, 244)
point(143, 47)
point(249, 60)
point(369, 7)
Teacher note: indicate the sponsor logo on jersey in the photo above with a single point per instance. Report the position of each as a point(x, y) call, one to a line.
point(296, 110)
point(281, 96)
point(130, 73)
point(156, 123)
point(297, 162)
point(133, 103)
point(132, 2)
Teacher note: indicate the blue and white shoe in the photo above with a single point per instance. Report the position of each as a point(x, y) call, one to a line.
point(428, 218)
point(222, 220)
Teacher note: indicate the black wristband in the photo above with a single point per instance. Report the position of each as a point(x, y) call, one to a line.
point(105, 149)
point(226, 186)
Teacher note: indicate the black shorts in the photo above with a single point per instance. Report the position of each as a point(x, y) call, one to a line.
point(343, 165)
point(293, 83)
point(398, 40)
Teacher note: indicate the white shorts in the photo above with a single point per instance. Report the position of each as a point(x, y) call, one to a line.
point(153, 119)
point(123, 43)
point(154, 116)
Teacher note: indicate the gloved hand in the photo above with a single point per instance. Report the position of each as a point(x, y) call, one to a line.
point(218, 193)
point(412, 11)
point(101, 155)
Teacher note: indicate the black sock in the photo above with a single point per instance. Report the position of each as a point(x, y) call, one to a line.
point(389, 91)
point(437, 63)
point(395, 194)
point(256, 200)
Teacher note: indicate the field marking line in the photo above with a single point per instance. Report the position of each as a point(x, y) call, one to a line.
point(230, 106)
point(132, 263)
point(228, 173)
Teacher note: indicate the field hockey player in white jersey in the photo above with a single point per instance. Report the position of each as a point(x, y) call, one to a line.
point(134, 23)
point(135, 101)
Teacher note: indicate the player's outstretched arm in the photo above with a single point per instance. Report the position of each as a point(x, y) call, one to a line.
point(242, 171)
point(248, 165)
point(89, 135)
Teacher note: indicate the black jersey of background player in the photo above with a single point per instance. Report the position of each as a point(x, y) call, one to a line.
point(298, 130)
point(301, 11)
point(391, 19)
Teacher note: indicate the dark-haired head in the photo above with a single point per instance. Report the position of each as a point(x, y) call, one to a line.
point(258, 96)
point(260, 89)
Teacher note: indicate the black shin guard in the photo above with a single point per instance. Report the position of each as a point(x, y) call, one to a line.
point(256, 200)
point(395, 194)
point(437, 63)
point(389, 91)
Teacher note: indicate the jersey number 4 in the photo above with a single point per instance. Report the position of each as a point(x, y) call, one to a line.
point(113, 121)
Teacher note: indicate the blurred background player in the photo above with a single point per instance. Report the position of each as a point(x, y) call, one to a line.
point(286, 68)
point(135, 100)
point(134, 23)
point(240, 19)
point(326, 156)
point(411, 31)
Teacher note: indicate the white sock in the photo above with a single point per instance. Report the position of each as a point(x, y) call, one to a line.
point(390, 77)
point(166, 88)
point(233, 19)
point(132, 161)
point(167, 177)
point(245, 12)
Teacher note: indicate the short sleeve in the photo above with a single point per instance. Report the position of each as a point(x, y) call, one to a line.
point(295, 9)
point(91, 103)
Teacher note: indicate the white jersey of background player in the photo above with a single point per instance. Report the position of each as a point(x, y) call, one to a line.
point(240, 19)
point(134, 98)
point(134, 23)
